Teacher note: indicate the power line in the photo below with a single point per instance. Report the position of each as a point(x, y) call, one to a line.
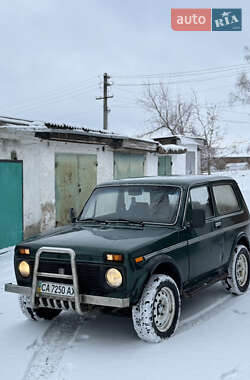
point(54, 94)
point(50, 100)
point(136, 84)
point(187, 73)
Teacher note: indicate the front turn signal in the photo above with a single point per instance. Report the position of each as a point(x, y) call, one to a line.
point(24, 251)
point(114, 257)
point(139, 259)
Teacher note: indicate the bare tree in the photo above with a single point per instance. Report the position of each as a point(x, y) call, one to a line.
point(242, 85)
point(174, 114)
point(183, 117)
point(210, 131)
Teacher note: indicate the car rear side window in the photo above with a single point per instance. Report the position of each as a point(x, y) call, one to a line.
point(225, 199)
point(200, 198)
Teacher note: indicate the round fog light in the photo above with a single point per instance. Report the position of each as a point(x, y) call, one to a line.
point(114, 277)
point(24, 268)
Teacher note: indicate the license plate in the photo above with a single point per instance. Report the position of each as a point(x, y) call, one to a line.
point(44, 287)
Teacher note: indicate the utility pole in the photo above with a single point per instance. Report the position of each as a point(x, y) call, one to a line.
point(105, 98)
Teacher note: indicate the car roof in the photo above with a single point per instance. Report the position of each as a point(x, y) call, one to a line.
point(184, 181)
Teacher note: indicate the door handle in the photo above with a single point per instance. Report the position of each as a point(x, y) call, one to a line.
point(217, 224)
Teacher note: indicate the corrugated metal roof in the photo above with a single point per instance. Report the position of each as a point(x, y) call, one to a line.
point(77, 134)
point(75, 128)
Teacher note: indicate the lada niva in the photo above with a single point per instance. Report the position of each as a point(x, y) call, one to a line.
point(141, 244)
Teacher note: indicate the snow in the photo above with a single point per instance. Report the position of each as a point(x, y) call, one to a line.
point(239, 147)
point(173, 148)
point(12, 124)
point(212, 341)
point(163, 132)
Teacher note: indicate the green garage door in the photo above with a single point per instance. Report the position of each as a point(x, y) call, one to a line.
point(128, 165)
point(164, 165)
point(11, 203)
point(75, 180)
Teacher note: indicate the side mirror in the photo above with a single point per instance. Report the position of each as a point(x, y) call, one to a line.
point(198, 218)
point(72, 215)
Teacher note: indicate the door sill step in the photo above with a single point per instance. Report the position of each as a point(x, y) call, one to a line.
point(190, 292)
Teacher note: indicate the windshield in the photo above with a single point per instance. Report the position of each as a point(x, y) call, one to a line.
point(155, 204)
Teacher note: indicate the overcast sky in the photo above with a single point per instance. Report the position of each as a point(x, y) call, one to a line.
point(54, 54)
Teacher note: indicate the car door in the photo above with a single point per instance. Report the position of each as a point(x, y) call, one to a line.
point(205, 244)
point(231, 214)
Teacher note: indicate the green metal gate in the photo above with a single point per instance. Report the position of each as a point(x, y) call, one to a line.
point(11, 203)
point(75, 178)
point(128, 165)
point(164, 165)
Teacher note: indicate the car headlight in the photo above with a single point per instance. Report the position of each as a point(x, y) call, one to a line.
point(24, 268)
point(114, 277)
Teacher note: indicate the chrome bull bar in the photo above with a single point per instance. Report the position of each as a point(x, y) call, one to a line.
point(73, 277)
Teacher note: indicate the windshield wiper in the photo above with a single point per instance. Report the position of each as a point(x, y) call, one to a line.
point(92, 220)
point(140, 222)
point(127, 221)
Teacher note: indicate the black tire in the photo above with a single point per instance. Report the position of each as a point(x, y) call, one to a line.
point(36, 314)
point(237, 281)
point(156, 315)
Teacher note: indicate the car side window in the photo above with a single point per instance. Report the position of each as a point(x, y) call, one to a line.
point(225, 199)
point(200, 198)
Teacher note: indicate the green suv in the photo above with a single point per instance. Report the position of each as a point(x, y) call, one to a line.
point(140, 244)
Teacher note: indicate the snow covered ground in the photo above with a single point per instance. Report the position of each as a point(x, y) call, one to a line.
point(211, 343)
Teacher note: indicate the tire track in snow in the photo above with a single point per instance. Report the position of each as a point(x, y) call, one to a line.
point(62, 332)
point(50, 348)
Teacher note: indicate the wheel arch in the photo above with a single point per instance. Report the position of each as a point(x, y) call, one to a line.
point(161, 264)
point(167, 267)
point(242, 238)
point(244, 241)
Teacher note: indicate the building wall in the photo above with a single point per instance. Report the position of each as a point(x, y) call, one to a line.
point(39, 174)
point(178, 164)
point(151, 165)
point(38, 158)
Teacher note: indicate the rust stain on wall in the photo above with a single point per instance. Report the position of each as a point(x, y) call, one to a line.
point(32, 230)
point(48, 216)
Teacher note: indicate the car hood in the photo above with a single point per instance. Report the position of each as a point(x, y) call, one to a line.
point(92, 241)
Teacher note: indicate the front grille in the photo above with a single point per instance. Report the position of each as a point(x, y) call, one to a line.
point(90, 276)
point(53, 266)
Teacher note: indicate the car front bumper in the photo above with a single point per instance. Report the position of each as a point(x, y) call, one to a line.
point(84, 298)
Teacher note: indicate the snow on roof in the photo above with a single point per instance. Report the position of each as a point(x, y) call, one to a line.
point(76, 128)
point(11, 123)
point(163, 132)
point(172, 149)
point(20, 124)
point(29, 125)
point(40, 126)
